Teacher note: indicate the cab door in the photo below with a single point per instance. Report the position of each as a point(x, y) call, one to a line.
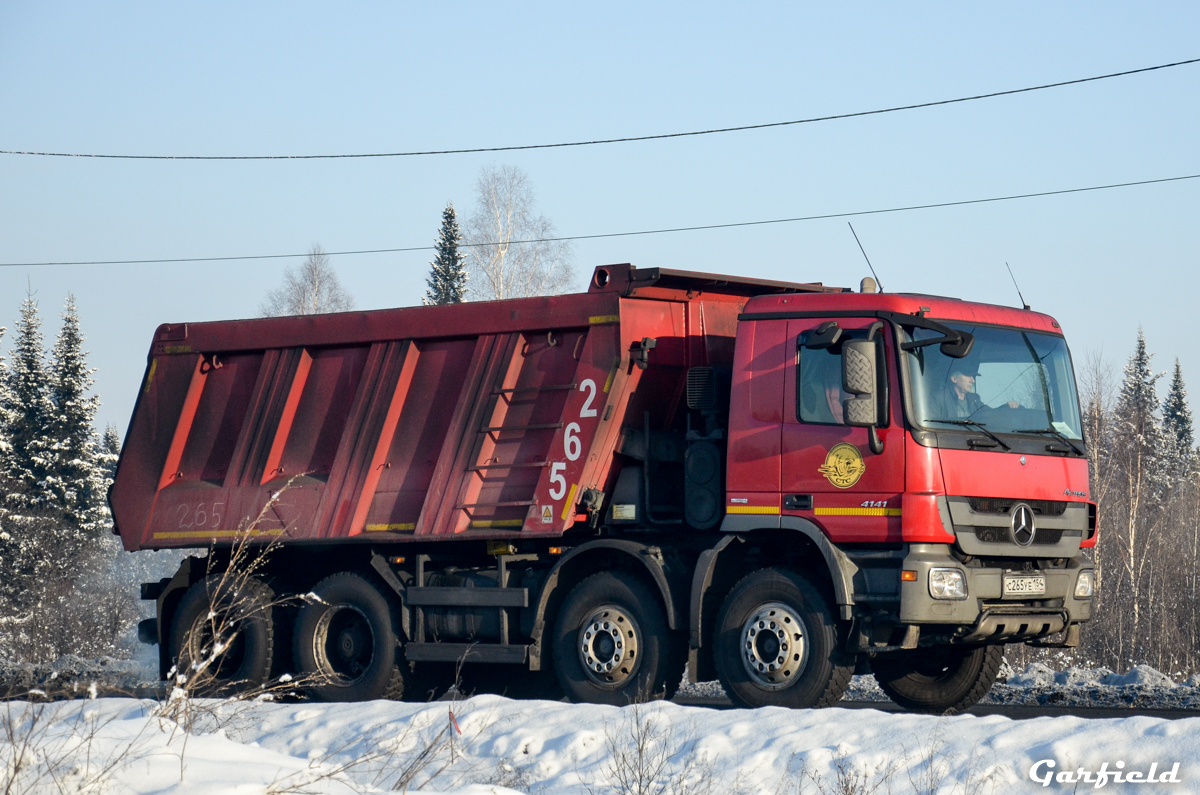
point(830, 474)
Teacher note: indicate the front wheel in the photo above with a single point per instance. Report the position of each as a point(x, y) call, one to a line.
point(776, 644)
point(345, 646)
point(938, 679)
point(611, 643)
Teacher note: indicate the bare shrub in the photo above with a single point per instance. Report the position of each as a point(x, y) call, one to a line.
point(431, 746)
point(934, 766)
point(648, 755)
point(846, 778)
point(55, 748)
point(237, 594)
point(394, 762)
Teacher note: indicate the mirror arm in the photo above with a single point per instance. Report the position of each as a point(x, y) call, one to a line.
point(873, 431)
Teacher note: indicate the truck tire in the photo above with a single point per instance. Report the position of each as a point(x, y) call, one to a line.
point(938, 679)
point(610, 642)
point(242, 617)
point(345, 646)
point(776, 644)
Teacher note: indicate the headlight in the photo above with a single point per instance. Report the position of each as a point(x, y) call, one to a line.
point(947, 584)
point(1085, 586)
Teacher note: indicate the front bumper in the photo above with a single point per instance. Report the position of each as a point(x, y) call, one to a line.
point(986, 614)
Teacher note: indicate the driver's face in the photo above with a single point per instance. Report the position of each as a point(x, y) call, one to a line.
point(964, 382)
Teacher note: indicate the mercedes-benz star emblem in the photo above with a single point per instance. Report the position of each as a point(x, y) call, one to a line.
point(1023, 526)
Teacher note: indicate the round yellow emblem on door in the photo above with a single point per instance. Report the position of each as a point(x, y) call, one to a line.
point(843, 466)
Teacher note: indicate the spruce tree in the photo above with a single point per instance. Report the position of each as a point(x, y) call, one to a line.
point(1177, 423)
point(1137, 402)
point(448, 277)
point(77, 481)
point(1137, 430)
point(110, 449)
point(27, 407)
point(6, 416)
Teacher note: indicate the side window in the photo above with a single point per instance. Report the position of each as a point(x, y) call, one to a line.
point(819, 396)
point(819, 392)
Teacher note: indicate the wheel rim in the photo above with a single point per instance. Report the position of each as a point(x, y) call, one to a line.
point(773, 648)
point(344, 645)
point(609, 645)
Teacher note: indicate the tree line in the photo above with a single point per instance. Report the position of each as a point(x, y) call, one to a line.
point(1145, 479)
point(56, 539)
point(504, 251)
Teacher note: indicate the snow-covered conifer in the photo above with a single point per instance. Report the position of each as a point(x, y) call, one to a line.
point(1177, 423)
point(448, 277)
point(1137, 401)
point(110, 449)
point(28, 409)
point(5, 413)
point(78, 480)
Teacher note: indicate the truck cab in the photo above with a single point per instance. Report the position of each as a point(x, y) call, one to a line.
point(932, 450)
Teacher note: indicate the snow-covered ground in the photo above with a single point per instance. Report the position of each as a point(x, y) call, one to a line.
point(531, 746)
point(496, 745)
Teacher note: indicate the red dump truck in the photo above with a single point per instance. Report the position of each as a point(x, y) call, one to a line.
point(769, 483)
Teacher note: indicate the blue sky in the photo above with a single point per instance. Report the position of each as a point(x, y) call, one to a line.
point(297, 78)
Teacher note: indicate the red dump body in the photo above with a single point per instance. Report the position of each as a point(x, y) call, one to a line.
point(484, 419)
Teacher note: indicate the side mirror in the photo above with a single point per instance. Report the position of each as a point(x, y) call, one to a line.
point(825, 336)
point(858, 378)
point(959, 349)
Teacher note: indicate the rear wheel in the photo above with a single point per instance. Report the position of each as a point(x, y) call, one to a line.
point(222, 638)
point(777, 644)
point(938, 679)
point(611, 643)
point(345, 647)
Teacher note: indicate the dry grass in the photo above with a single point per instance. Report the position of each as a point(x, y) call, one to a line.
point(929, 770)
point(55, 748)
point(648, 755)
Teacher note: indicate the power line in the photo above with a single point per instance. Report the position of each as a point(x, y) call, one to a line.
point(628, 139)
point(665, 230)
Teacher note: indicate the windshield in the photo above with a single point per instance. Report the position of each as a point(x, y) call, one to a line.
point(1012, 381)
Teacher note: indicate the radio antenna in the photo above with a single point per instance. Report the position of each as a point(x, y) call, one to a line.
point(1014, 278)
point(868, 259)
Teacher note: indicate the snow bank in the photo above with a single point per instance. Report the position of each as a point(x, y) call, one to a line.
point(506, 746)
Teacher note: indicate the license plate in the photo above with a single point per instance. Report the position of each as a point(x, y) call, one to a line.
point(1024, 586)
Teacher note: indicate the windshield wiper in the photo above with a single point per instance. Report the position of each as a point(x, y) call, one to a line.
point(1054, 432)
point(980, 426)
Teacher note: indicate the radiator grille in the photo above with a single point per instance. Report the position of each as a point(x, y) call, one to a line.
point(1000, 535)
point(1005, 504)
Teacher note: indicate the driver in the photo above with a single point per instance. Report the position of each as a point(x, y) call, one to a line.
point(959, 400)
point(834, 394)
point(821, 389)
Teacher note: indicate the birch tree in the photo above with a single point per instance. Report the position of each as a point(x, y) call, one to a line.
point(311, 289)
point(510, 250)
